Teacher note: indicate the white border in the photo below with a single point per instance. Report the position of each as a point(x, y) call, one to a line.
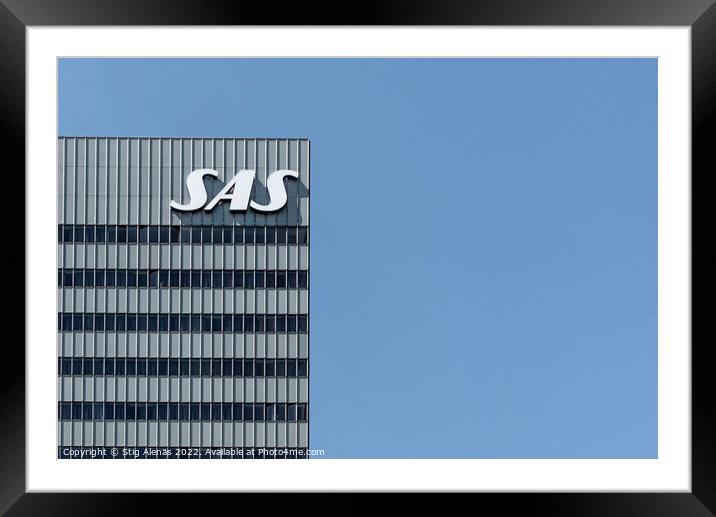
point(670, 472)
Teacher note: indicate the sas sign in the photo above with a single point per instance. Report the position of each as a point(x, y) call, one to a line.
point(237, 190)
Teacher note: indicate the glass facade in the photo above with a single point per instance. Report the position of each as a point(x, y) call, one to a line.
point(180, 335)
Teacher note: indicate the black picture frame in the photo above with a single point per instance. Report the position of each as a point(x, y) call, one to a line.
point(700, 15)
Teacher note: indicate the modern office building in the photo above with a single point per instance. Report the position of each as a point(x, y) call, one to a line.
point(183, 297)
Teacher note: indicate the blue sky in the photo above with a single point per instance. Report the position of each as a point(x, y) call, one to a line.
point(484, 238)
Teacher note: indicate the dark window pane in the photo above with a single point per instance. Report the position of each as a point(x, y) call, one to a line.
point(238, 323)
point(143, 234)
point(195, 367)
point(206, 234)
point(302, 235)
point(186, 234)
point(141, 410)
point(99, 411)
point(153, 234)
point(303, 323)
point(291, 235)
point(109, 322)
point(280, 323)
point(302, 367)
point(281, 412)
point(164, 232)
point(258, 367)
point(270, 412)
point(184, 411)
point(141, 366)
point(248, 411)
point(271, 235)
point(195, 411)
point(270, 279)
point(89, 322)
point(100, 234)
point(281, 235)
point(228, 234)
point(79, 233)
point(143, 280)
point(87, 411)
point(226, 412)
point(174, 323)
point(162, 411)
point(248, 323)
point(280, 368)
point(259, 322)
point(99, 321)
point(89, 233)
point(163, 366)
point(226, 368)
point(111, 234)
point(238, 411)
point(206, 323)
point(120, 366)
point(280, 279)
point(292, 412)
point(184, 367)
point(67, 277)
point(216, 279)
point(238, 367)
point(174, 278)
point(301, 409)
point(260, 279)
point(131, 278)
point(195, 323)
point(206, 367)
point(121, 234)
point(77, 366)
point(216, 367)
point(206, 278)
point(89, 277)
point(238, 234)
point(216, 411)
point(228, 279)
point(290, 367)
point(174, 234)
point(152, 411)
point(68, 233)
point(248, 235)
point(99, 277)
point(303, 279)
point(270, 323)
point(248, 279)
point(258, 412)
point(218, 235)
point(110, 278)
point(185, 322)
point(163, 322)
point(270, 367)
point(174, 411)
point(248, 367)
point(238, 279)
point(79, 277)
point(291, 279)
point(131, 322)
point(205, 411)
point(152, 323)
point(152, 366)
point(196, 234)
point(173, 366)
point(228, 323)
point(163, 278)
point(260, 235)
point(131, 233)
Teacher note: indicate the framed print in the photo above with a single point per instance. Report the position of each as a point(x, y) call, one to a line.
point(432, 251)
